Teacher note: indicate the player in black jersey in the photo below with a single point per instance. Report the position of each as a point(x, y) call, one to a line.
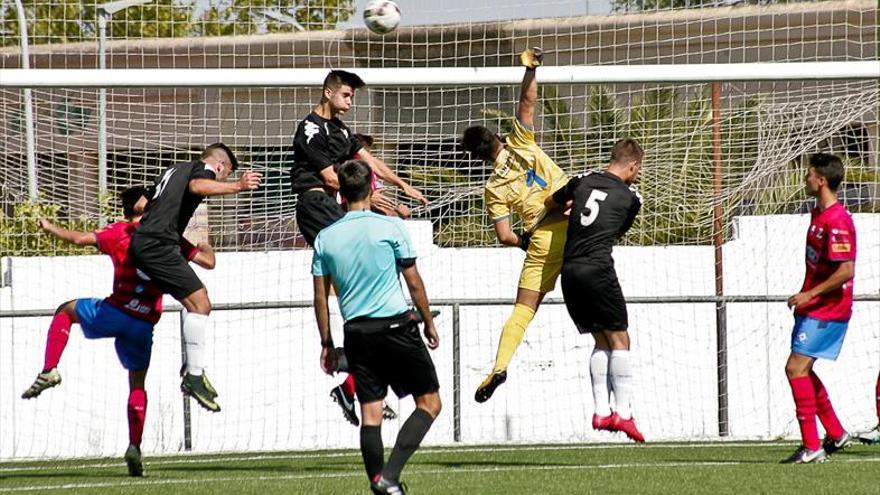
point(155, 249)
point(603, 207)
point(322, 141)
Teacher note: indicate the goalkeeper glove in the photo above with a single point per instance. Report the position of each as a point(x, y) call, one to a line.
point(531, 58)
point(525, 238)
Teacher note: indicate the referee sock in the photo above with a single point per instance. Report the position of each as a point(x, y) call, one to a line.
point(194, 330)
point(825, 410)
point(512, 334)
point(599, 376)
point(411, 434)
point(372, 450)
point(622, 381)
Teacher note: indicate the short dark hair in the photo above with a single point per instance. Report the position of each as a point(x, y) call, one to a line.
point(129, 199)
point(830, 167)
point(626, 150)
point(479, 141)
point(337, 78)
point(211, 149)
point(355, 180)
point(365, 139)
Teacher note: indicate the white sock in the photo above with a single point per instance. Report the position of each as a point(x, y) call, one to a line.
point(622, 381)
point(599, 376)
point(194, 330)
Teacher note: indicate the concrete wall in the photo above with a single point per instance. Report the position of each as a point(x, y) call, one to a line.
point(274, 396)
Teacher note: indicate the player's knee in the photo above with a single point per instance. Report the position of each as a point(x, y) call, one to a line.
point(430, 403)
point(68, 308)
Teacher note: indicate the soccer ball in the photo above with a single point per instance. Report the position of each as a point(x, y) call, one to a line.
point(381, 16)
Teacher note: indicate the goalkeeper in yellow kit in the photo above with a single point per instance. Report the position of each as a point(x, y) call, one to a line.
point(522, 177)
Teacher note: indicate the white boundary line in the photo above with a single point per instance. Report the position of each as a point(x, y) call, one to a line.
point(207, 458)
point(411, 474)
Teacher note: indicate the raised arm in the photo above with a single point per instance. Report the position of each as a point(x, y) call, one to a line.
point(528, 93)
point(248, 181)
point(386, 174)
point(71, 236)
point(205, 257)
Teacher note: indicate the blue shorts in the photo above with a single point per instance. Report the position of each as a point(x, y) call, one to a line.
point(134, 337)
point(817, 338)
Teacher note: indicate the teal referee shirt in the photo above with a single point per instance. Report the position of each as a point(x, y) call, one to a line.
point(363, 253)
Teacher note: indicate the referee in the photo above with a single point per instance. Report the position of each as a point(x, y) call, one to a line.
point(362, 254)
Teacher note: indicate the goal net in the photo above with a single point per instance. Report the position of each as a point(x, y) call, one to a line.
point(66, 151)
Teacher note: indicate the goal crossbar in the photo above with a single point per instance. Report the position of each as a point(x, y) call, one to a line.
point(437, 76)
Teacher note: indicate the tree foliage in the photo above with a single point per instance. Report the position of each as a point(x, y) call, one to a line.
point(68, 21)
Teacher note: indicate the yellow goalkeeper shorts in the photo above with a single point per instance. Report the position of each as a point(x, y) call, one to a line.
point(544, 258)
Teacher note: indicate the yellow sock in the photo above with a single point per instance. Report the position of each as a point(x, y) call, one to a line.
point(512, 335)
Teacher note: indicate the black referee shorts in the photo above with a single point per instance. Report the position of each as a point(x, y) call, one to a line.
point(316, 210)
point(593, 297)
point(165, 265)
point(388, 351)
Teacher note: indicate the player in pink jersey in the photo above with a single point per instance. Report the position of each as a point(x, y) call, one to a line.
point(128, 314)
point(822, 310)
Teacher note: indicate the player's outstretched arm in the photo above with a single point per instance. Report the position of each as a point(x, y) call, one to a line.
point(386, 174)
point(420, 300)
point(248, 181)
point(844, 272)
point(329, 359)
point(71, 236)
point(531, 59)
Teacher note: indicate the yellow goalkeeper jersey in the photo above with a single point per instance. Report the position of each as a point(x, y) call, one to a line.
point(522, 178)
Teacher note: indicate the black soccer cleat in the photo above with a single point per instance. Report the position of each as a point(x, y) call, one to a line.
point(383, 486)
point(347, 405)
point(134, 461)
point(487, 388)
point(831, 445)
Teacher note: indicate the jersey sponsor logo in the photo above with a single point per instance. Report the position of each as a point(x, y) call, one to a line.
point(310, 130)
point(840, 247)
point(812, 255)
point(136, 306)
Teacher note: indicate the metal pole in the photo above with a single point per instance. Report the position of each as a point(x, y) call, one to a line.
point(187, 413)
point(718, 240)
point(30, 141)
point(103, 18)
point(456, 373)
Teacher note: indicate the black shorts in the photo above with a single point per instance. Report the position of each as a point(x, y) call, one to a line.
point(388, 351)
point(165, 265)
point(316, 210)
point(593, 297)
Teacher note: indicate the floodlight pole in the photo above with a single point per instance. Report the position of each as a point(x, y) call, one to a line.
point(30, 142)
point(105, 14)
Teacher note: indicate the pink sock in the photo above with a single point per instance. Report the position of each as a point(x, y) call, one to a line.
point(825, 410)
point(348, 386)
point(137, 412)
point(805, 407)
point(878, 398)
point(56, 341)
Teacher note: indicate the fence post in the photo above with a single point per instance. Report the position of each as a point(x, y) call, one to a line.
point(718, 241)
point(187, 414)
point(456, 374)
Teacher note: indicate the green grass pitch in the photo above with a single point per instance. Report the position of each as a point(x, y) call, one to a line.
point(705, 468)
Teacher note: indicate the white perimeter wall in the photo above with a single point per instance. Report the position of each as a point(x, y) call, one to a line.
point(274, 396)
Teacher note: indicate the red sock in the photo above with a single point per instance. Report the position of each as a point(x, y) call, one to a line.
point(56, 341)
point(825, 410)
point(878, 398)
point(137, 412)
point(348, 386)
point(805, 407)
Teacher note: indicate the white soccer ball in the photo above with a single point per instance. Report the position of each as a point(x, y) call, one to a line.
point(381, 16)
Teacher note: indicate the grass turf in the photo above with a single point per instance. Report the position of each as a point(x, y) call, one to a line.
point(565, 469)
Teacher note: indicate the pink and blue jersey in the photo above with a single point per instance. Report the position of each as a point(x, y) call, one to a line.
point(831, 240)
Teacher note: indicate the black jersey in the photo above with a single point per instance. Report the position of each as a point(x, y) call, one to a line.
point(317, 144)
point(172, 204)
point(603, 209)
